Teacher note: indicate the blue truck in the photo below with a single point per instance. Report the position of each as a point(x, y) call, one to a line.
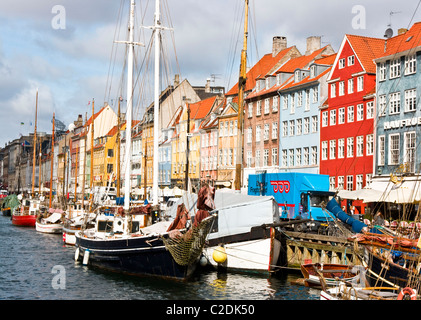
point(299, 196)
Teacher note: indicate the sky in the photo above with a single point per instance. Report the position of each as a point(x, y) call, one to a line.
point(66, 50)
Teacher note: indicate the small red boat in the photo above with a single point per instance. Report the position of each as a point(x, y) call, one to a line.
point(25, 220)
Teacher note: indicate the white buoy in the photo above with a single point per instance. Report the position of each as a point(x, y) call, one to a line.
point(85, 257)
point(203, 261)
point(77, 254)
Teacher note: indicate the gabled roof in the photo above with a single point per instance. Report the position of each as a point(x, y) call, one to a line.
point(261, 68)
point(403, 42)
point(306, 80)
point(366, 49)
point(201, 109)
point(300, 62)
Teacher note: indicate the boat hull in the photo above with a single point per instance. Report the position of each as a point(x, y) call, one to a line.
point(6, 212)
point(24, 220)
point(333, 274)
point(256, 251)
point(53, 228)
point(139, 256)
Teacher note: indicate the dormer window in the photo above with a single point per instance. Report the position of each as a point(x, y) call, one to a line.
point(267, 83)
point(297, 76)
point(313, 71)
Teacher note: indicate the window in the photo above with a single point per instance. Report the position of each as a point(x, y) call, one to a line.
point(231, 128)
point(110, 152)
point(359, 182)
point(409, 151)
point(307, 107)
point(360, 83)
point(257, 159)
point(314, 155)
point(410, 100)
point(248, 161)
point(350, 117)
point(275, 104)
point(266, 132)
point(370, 144)
point(332, 183)
point(285, 128)
point(275, 130)
point(292, 103)
point(349, 182)
point(360, 112)
point(291, 158)
point(266, 105)
point(342, 63)
point(411, 64)
point(340, 182)
point(350, 147)
point(341, 88)
point(324, 119)
point(382, 71)
point(324, 150)
point(350, 85)
point(370, 110)
point(341, 148)
point(299, 126)
point(333, 90)
point(382, 105)
point(298, 156)
point(250, 109)
point(368, 179)
point(284, 158)
point(360, 146)
point(351, 60)
point(258, 133)
point(314, 124)
point(300, 99)
point(306, 156)
point(285, 102)
point(332, 117)
point(249, 135)
point(259, 108)
point(395, 103)
point(341, 115)
point(265, 157)
point(394, 149)
point(332, 153)
point(109, 168)
point(274, 156)
point(315, 94)
point(382, 150)
point(306, 125)
point(395, 68)
point(292, 127)
point(312, 71)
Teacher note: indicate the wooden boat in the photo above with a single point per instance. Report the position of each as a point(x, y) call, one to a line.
point(51, 224)
point(348, 292)
point(25, 214)
point(332, 274)
point(8, 205)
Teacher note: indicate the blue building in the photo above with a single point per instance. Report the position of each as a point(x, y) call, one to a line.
point(398, 112)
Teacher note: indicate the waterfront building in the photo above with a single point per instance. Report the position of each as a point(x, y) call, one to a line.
point(347, 120)
point(398, 112)
point(301, 97)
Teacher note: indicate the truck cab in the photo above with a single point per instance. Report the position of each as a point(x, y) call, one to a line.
point(299, 196)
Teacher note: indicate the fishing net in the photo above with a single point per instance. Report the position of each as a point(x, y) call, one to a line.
point(186, 247)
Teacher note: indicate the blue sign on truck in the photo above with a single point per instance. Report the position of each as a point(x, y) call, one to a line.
point(299, 195)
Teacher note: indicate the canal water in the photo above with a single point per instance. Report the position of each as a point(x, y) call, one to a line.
point(36, 266)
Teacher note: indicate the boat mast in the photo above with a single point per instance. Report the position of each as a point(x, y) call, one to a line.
point(241, 89)
point(52, 161)
point(92, 158)
point(129, 111)
point(118, 149)
point(35, 146)
point(157, 29)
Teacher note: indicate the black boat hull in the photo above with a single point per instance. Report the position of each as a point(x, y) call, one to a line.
point(139, 256)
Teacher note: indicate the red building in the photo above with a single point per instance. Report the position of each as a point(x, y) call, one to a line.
point(347, 119)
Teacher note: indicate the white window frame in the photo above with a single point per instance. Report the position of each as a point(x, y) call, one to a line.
point(324, 150)
point(350, 147)
point(411, 100)
point(360, 112)
point(325, 119)
point(350, 182)
point(341, 115)
point(411, 64)
point(258, 133)
point(341, 88)
point(370, 110)
point(382, 71)
point(341, 148)
point(360, 146)
point(370, 144)
point(350, 117)
point(382, 151)
point(395, 68)
point(394, 153)
point(332, 149)
point(350, 85)
point(360, 83)
point(395, 103)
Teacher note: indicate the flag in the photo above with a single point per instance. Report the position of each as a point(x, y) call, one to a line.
point(25, 144)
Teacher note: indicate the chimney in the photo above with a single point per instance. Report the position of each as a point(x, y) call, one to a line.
point(278, 44)
point(313, 43)
point(176, 80)
point(402, 30)
point(207, 86)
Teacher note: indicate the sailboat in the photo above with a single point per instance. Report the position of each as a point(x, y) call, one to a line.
point(26, 212)
point(123, 240)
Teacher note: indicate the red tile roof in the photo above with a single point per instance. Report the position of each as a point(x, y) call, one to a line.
point(261, 68)
point(403, 42)
point(367, 49)
point(201, 109)
point(300, 62)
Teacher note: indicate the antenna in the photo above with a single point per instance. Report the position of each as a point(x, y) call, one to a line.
point(390, 17)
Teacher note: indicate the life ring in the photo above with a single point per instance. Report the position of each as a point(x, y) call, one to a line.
point(407, 292)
